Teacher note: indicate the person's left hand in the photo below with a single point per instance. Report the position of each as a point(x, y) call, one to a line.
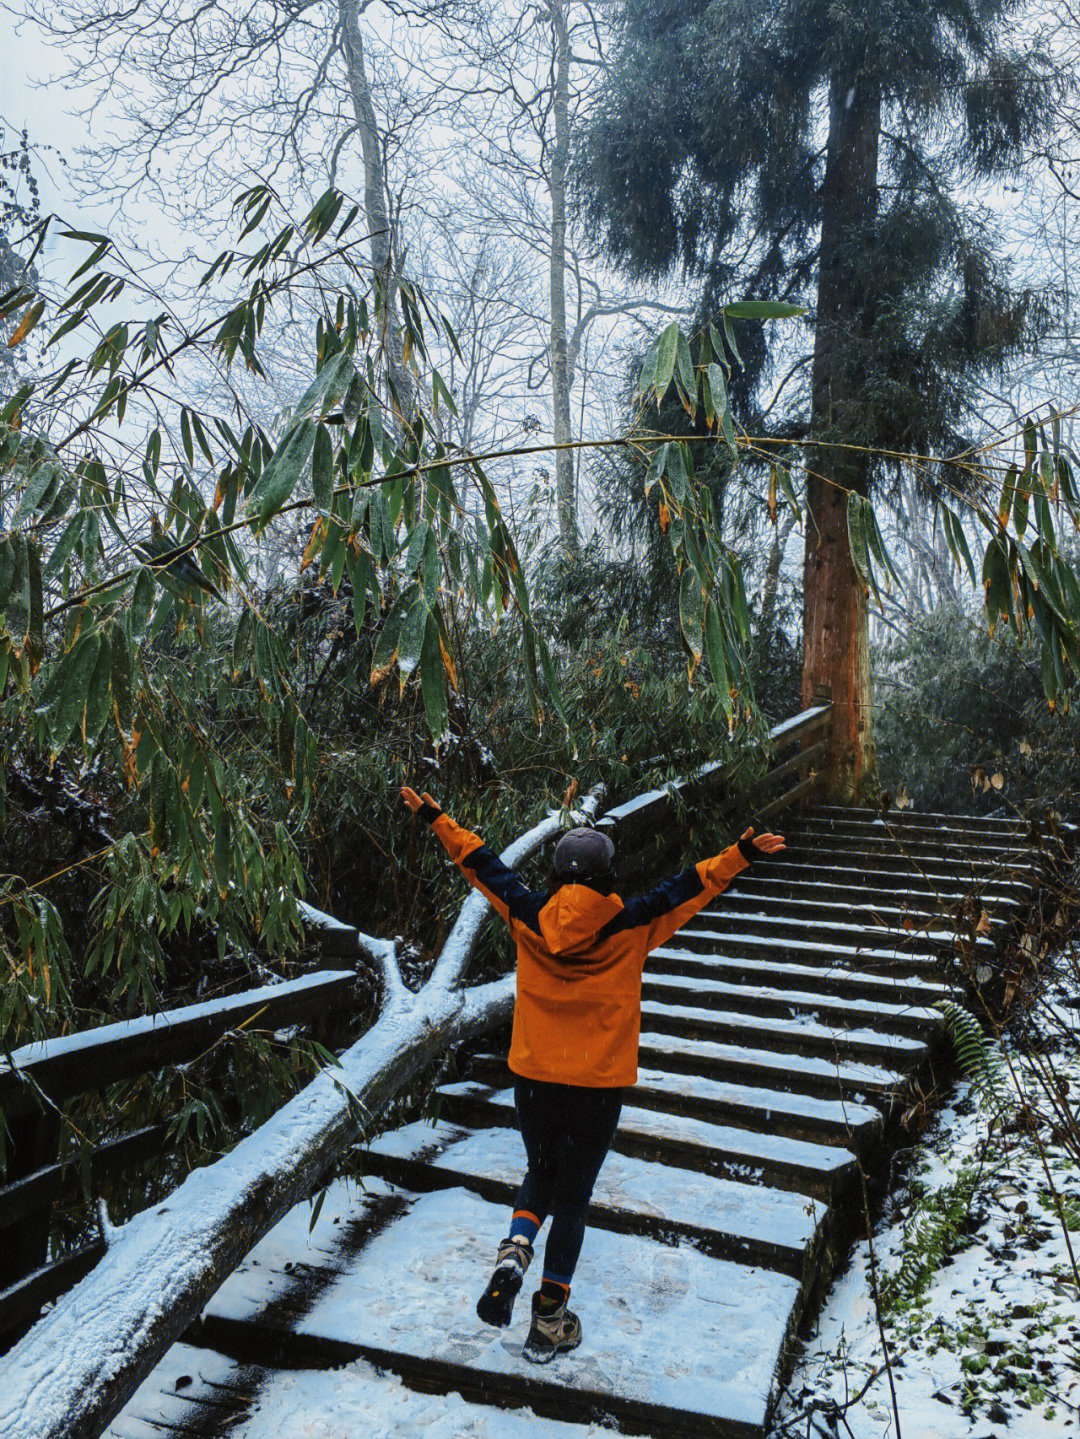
point(767, 843)
point(416, 801)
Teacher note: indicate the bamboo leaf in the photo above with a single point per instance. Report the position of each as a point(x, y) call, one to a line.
point(282, 474)
point(666, 354)
point(692, 615)
point(69, 686)
point(26, 324)
point(99, 691)
point(762, 310)
point(322, 470)
point(433, 680)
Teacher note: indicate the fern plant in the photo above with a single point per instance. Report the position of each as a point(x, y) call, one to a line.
point(980, 1058)
point(936, 1226)
point(932, 1232)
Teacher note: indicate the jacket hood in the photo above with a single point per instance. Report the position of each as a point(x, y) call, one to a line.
point(573, 917)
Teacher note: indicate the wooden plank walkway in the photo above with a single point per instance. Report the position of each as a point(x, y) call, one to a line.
point(781, 1031)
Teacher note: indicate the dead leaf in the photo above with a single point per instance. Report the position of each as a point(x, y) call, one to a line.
point(314, 544)
point(571, 793)
point(903, 800)
point(998, 780)
point(26, 324)
point(1025, 748)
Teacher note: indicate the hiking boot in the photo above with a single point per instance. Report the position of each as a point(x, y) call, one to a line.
point(554, 1328)
point(496, 1304)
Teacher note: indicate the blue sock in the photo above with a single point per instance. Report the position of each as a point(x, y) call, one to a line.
point(524, 1225)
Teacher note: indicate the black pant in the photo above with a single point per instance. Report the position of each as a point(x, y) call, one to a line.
point(568, 1130)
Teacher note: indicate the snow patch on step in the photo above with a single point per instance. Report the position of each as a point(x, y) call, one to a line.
point(850, 1071)
point(662, 1325)
point(635, 1186)
point(801, 1025)
point(829, 1003)
point(758, 1149)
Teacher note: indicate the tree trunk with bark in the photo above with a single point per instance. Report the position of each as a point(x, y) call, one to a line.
point(836, 641)
point(565, 498)
point(376, 209)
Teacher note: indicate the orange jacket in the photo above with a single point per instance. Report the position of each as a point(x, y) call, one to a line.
point(580, 956)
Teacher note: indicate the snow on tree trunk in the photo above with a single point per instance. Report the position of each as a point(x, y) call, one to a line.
point(75, 1369)
point(836, 641)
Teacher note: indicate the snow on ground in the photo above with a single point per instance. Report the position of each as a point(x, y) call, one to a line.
point(992, 1345)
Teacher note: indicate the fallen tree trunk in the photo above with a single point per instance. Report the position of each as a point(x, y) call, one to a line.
point(75, 1369)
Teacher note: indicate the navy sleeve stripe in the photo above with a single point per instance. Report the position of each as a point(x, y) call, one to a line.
point(655, 902)
point(505, 885)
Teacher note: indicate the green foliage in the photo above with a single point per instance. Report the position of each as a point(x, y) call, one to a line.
point(979, 1057)
point(956, 709)
point(933, 1232)
point(721, 173)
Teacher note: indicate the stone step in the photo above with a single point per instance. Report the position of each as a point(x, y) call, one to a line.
point(762, 1000)
point(910, 953)
point(684, 1141)
point(921, 841)
point(921, 819)
point(802, 907)
point(644, 1375)
point(835, 1119)
point(933, 865)
point(773, 1069)
point(776, 1228)
point(802, 1036)
point(736, 944)
point(197, 1393)
point(777, 922)
point(738, 1063)
point(856, 880)
point(944, 899)
point(826, 979)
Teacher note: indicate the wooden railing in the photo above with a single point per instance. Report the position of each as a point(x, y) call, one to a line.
point(645, 830)
point(41, 1078)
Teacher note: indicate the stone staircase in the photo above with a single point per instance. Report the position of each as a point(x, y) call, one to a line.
point(782, 1031)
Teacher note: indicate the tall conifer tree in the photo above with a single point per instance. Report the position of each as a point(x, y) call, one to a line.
point(825, 151)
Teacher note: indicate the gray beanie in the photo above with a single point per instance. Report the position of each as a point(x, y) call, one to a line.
point(583, 853)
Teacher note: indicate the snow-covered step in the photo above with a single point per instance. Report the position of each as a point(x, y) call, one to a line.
point(854, 878)
point(736, 941)
point(766, 1068)
point(685, 1142)
point(945, 897)
point(937, 929)
point(780, 921)
point(729, 1099)
point(921, 819)
point(761, 1000)
point(675, 1343)
point(198, 1392)
point(949, 844)
point(753, 1224)
point(844, 1121)
point(800, 1035)
point(828, 979)
point(931, 865)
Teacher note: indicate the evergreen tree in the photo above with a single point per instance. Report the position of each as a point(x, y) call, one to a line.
point(826, 152)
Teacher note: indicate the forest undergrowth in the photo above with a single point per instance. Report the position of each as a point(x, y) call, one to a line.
point(959, 1316)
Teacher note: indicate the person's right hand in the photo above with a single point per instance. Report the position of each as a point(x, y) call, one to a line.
point(766, 843)
point(416, 801)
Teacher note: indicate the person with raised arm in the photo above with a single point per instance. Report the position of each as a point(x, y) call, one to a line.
point(581, 951)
